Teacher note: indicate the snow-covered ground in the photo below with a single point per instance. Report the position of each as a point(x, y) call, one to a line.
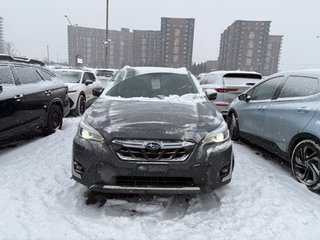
point(38, 200)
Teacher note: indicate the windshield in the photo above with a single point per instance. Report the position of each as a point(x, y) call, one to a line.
point(154, 85)
point(69, 76)
point(104, 73)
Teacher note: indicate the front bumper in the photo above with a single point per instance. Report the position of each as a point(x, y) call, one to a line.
point(96, 166)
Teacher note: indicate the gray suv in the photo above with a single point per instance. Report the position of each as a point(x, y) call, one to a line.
point(153, 130)
point(282, 115)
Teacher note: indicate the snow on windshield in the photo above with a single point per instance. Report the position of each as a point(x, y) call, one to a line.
point(164, 86)
point(68, 76)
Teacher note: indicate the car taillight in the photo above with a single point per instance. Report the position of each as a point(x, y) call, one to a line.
point(224, 90)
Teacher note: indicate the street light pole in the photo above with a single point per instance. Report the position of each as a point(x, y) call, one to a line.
point(107, 29)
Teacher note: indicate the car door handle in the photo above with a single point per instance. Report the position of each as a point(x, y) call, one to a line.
point(18, 97)
point(48, 92)
point(262, 108)
point(303, 109)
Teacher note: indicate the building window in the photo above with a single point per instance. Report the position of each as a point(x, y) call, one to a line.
point(176, 58)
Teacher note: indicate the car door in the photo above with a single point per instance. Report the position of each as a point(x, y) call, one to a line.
point(52, 89)
point(291, 111)
point(11, 113)
point(251, 116)
point(34, 95)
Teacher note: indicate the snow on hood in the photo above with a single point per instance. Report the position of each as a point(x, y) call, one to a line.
point(158, 119)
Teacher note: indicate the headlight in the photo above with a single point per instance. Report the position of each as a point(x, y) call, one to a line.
point(219, 135)
point(87, 132)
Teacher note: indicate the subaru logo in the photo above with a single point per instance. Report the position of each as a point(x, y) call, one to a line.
point(153, 146)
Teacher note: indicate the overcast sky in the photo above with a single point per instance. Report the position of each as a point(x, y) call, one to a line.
point(33, 24)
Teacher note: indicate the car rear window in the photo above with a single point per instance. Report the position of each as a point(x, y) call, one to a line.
point(6, 76)
point(241, 78)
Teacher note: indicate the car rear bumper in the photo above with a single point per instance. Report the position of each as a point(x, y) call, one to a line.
point(96, 166)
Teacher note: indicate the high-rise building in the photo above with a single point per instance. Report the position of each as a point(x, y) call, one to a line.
point(120, 48)
point(245, 45)
point(273, 54)
point(170, 47)
point(147, 48)
point(86, 47)
point(2, 50)
point(177, 41)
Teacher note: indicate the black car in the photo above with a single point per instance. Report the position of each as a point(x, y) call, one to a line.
point(152, 131)
point(30, 101)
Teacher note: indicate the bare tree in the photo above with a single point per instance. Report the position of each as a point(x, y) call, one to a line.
point(9, 48)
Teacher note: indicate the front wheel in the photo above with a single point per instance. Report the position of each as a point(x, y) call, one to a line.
point(54, 119)
point(233, 127)
point(305, 164)
point(81, 106)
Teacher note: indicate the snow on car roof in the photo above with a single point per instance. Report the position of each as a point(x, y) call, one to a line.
point(147, 70)
point(68, 70)
point(223, 72)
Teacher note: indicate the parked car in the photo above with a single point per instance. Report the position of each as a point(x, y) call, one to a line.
point(29, 99)
point(104, 75)
point(282, 115)
point(80, 83)
point(153, 131)
point(201, 77)
point(229, 84)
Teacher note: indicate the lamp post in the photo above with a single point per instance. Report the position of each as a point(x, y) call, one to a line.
point(106, 38)
point(66, 16)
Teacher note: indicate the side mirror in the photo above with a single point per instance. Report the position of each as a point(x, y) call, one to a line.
point(211, 94)
point(97, 91)
point(244, 97)
point(88, 81)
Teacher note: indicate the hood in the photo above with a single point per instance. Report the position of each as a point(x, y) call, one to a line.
point(153, 119)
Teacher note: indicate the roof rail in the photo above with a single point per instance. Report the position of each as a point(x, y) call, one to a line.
point(5, 57)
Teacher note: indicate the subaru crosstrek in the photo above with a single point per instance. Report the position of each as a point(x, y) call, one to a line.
point(153, 130)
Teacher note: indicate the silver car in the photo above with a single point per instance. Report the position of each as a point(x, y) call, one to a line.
point(282, 115)
point(228, 84)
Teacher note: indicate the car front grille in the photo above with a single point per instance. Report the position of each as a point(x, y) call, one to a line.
point(139, 150)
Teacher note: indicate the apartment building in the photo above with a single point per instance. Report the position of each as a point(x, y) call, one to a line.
point(247, 45)
point(147, 48)
point(177, 41)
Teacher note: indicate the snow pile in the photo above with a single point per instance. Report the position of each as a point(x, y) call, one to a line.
point(38, 200)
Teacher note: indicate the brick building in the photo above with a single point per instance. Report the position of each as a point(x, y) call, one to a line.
point(177, 41)
point(247, 45)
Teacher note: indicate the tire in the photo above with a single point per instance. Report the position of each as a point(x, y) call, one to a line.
point(305, 164)
point(81, 106)
point(233, 127)
point(54, 119)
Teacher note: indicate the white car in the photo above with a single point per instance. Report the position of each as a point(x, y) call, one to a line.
point(104, 75)
point(228, 84)
point(80, 84)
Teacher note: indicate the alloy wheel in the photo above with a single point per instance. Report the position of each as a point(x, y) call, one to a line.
point(305, 163)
